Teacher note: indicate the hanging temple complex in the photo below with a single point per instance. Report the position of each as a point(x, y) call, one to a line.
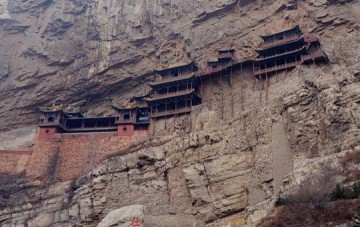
point(70, 138)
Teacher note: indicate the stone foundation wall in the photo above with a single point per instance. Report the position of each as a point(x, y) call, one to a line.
point(13, 162)
point(71, 155)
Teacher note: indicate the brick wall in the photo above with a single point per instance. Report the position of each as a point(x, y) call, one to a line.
point(72, 155)
point(13, 162)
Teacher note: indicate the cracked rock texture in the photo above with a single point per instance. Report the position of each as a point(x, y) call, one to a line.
point(225, 172)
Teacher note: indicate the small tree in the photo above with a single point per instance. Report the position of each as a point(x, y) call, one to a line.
point(338, 193)
point(316, 189)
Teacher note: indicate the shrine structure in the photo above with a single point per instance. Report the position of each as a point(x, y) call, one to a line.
point(285, 50)
point(133, 118)
point(175, 92)
point(179, 87)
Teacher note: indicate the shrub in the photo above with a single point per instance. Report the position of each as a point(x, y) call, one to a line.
point(281, 201)
point(338, 193)
point(315, 189)
point(341, 192)
point(356, 189)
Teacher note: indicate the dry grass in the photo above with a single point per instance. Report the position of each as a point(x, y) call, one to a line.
point(311, 204)
point(350, 163)
point(304, 214)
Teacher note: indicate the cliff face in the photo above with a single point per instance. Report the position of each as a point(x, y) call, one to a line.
point(242, 152)
point(89, 53)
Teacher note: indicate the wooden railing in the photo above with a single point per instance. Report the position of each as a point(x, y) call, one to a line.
point(217, 69)
point(280, 41)
point(281, 54)
point(171, 112)
point(125, 121)
point(171, 79)
point(171, 94)
point(93, 129)
point(226, 55)
point(276, 68)
point(311, 56)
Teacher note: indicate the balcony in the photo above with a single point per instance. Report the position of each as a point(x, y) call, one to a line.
point(280, 54)
point(276, 68)
point(125, 121)
point(313, 56)
point(226, 55)
point(217, 69)
point(170, 95)
point(286, 39)
point(173, 79)
point(171, 112)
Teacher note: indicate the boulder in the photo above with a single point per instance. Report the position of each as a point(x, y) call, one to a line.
point(123, 217)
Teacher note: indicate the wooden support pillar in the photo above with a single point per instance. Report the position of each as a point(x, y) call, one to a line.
point(267, 87)
point(222, 107)
point(261, 82)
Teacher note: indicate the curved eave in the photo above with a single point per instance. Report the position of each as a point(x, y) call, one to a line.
point(280, 45)
point(76, 114)
point(281, 55)
point(48, 111)
point(123, 108)
point(177, 79)
point(150, 100)
point(278, 33)
point(226, 51)
point(171, 67)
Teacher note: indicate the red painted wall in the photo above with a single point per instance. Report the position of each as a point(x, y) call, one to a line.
point(48, 133)
point(75, 154)
point(126, 130)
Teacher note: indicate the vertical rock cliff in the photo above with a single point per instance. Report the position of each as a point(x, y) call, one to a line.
point(238, 158)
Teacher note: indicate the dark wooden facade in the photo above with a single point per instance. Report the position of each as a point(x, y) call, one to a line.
point(286, 50)
point(175, 93)
point(177, 89)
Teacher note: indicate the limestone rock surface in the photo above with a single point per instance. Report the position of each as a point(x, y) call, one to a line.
point(123, 217)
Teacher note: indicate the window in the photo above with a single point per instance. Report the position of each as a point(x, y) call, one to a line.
point(126, 116)
point(47, 130)
point(51, 119)
point(124, 128)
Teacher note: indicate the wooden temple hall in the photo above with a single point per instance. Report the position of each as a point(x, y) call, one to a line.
point(286, 50)
point(178, 87)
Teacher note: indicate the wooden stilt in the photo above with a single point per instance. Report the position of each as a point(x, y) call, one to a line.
point(211, 93)
point(267, 87)
point(222, 107)
point(261, 88)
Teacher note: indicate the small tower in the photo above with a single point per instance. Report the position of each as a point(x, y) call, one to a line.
point(133, 118)
point(51, 121)
point(225, 57)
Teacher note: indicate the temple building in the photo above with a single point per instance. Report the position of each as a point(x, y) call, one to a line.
point(55, 119)
point(179, 87)
point(133, 118)
point(285, 50)
point(225, 56)
point(175, 93)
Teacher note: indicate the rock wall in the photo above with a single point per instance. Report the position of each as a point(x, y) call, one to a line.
point(224, 171)
point(228, 169)
point(93, 53)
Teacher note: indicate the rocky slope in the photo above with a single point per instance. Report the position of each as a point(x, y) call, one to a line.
point(92, 53)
